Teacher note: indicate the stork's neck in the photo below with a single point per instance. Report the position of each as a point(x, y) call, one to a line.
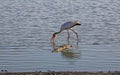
point(58, 32)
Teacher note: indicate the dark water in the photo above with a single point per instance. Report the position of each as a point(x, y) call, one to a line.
point(26, 27)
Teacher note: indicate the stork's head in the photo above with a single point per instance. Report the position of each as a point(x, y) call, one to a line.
point(77, 23)
point(53, 37)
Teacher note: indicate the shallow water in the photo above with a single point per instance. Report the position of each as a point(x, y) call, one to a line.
point(26, 27)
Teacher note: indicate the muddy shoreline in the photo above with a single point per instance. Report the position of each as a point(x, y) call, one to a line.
point(60, 73)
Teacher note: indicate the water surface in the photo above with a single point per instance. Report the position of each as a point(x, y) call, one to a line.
point(26, 27)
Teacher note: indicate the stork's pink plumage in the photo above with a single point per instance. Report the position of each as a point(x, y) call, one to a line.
point(66, 26)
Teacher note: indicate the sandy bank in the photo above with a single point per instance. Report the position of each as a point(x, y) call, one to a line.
point(60, 73)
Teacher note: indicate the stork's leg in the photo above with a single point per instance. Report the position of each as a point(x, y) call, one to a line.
point(68, 35)
point(76, 34)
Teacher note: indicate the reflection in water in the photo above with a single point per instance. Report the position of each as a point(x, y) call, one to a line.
point(71, 54)
point(66, 50)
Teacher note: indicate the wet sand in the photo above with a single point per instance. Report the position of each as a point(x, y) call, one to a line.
point(60, 73)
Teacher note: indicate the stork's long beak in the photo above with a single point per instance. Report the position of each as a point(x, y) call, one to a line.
point(53, 38)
